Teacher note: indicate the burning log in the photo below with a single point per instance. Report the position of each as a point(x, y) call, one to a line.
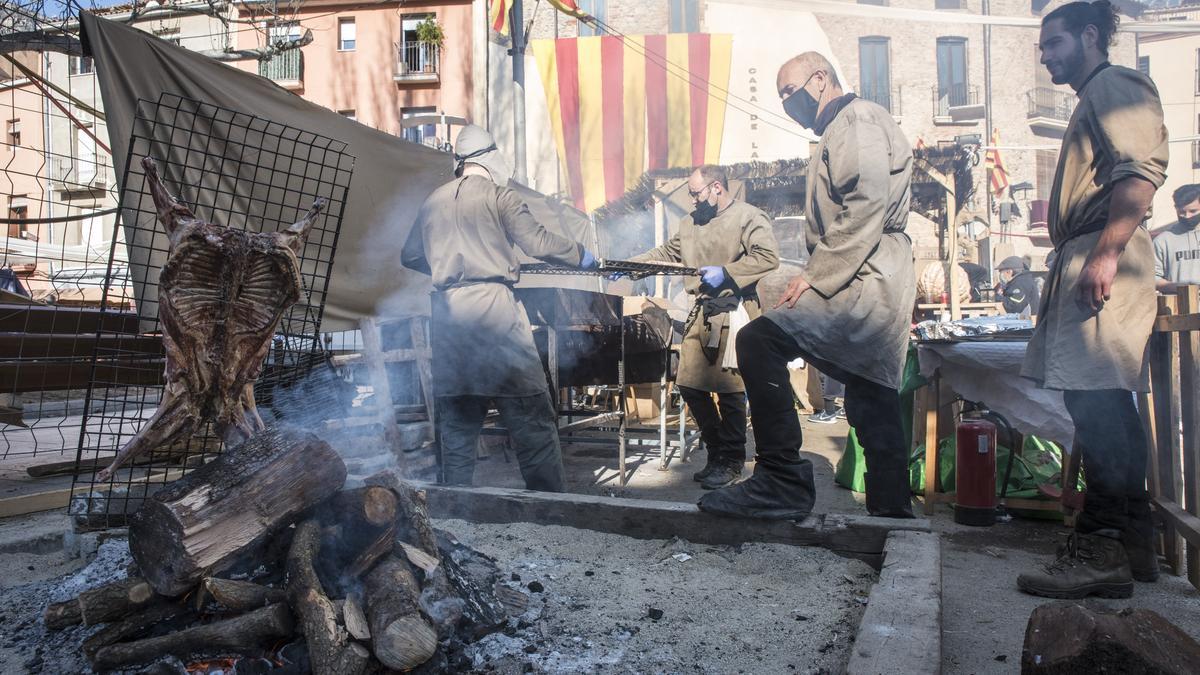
point(242, 596)
point(238, 635)
point(134, 625)
point(402, 639)
point(101, 605)
point(329, 646)
point(200, 524)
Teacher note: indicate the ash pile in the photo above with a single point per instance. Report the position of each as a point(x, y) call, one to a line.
point(260, 562)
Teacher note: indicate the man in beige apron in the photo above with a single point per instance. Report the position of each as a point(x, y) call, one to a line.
point(483, 347)
point(732, 244)
point(848, 313)
point(1098, 305)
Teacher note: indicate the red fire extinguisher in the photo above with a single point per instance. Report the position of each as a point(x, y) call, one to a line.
point(975, 471)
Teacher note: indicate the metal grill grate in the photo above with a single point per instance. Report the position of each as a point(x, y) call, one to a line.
point(236, 170)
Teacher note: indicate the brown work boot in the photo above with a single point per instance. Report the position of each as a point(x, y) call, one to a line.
point(1089, 564)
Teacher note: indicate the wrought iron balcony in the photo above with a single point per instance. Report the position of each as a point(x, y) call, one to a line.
point(888, 98)
point(286, 69)
point(71, 174)
point(417, 62)
point(1049, 109)
point(958, 103)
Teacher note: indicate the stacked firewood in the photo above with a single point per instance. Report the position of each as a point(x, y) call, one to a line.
point(263, 545)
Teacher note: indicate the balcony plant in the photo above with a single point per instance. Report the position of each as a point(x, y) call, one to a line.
point(430, 34)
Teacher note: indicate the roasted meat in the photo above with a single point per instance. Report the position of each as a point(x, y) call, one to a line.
point(222, 293)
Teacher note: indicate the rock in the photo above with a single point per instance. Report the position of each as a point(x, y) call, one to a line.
point(516, 577)
point(536, 587)
point(655, 614)
point(1065, 638)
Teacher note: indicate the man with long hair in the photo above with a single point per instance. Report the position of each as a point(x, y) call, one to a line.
point(1098, 305)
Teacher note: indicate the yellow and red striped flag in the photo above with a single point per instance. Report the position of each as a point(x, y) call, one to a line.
point(621, 106)
point(498, 16)
point(997, 174)
point(569, 7)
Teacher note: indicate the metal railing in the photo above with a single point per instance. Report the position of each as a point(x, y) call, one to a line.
point(1196, 154)
point(70, 173)
point(1050, 103)
point(888, 98)
point(284, 67)
point(954, 96)
point(418, 60)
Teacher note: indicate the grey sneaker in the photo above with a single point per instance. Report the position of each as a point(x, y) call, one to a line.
point(841, 413)
point(823, 418)
point(1089, 564)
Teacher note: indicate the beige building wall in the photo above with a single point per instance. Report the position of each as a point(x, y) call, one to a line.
point(1029, 111)
point(1174, 64)
point(366, 82)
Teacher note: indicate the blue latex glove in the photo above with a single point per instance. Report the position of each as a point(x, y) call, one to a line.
point(712, 275)
point(589, 261)
point(616, 276)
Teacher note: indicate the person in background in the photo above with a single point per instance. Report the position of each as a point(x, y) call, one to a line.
point(1019, 289)
point(831, 391)
point(465, 237)
point(848, 313)
point(732, 244)
point(1098, 305)
point(979, 278)
point(1177, 249)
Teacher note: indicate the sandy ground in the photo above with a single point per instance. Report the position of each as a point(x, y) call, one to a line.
point(983, 613)
point(612, 604)
point(984, 616)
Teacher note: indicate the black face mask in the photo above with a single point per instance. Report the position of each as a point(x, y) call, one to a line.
point(801, 107)
point(1190, 222)
point(704, 212)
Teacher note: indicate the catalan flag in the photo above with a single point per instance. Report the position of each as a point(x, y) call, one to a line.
point(569, 7)
point(498, 16)
point(623, 105)
point(997, 174)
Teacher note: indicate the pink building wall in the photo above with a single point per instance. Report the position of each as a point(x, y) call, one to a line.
point(26, 170)
point(362, 80)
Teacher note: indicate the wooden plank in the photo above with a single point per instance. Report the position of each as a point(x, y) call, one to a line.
point(901, 629)
point(1177, 323)
point(852, 536)
point(48, 345)
point(930, 398)
point(1189, 380)
point(1185, 523)
point(1167, 483)
point(20, 318)
point(377, 373)
point(424, 358)
point(25, 376)
point(59, 499)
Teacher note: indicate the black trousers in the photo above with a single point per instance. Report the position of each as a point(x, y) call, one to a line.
point(1109, 432)
point(532, 427)
point(722, 424)
point(764, 351)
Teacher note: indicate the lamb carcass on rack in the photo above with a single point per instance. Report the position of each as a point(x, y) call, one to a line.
point(222, 293)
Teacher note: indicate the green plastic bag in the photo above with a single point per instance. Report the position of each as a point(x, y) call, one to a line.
point(851, 467)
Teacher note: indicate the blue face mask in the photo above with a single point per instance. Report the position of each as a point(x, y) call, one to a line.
point(1190, 222)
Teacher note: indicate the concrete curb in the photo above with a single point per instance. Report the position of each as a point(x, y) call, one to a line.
point(901, 631)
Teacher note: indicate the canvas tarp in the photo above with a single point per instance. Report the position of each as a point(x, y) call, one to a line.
point(391, 176)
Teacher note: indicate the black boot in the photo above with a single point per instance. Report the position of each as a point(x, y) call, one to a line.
point(1138, 538)
point(888, 493)
point(724, 473)
point(710, 465)
point(774, 492)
